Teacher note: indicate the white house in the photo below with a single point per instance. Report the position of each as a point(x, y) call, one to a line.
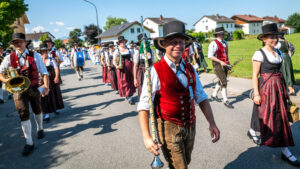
point(286, 29)
point(156, 24)
point(275, 19)
point(129, 30)
point(250, 24)
point(35, 38)
point(210, 22)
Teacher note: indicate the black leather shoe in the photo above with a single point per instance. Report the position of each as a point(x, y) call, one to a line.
point(40, 134)
point(213, 98)
point(293, 163)
point(27, 150)
point(227, 104)
point(56, 112)
point(1, 101)
point(256, 141)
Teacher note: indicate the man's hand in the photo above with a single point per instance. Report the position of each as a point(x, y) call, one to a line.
point(151, 146)
point(214, 132)
point(223, 63)
point(45, 92)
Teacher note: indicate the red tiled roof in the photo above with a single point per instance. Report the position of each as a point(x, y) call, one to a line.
point(248, 18)
point(275, 19)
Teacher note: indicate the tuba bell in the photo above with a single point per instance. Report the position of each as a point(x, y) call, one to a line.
point(17, 83)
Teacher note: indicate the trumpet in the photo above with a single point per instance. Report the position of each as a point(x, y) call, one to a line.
point(17, 83)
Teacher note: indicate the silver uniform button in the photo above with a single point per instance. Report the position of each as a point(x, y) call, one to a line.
point(191, 117)
point(182, 114)
point(184, 123)
point(191, 122)
point(182, 118)
point(180, 97)
point(182, 108)
point(181, 102)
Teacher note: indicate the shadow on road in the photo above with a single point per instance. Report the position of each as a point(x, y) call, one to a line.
point(265, 157)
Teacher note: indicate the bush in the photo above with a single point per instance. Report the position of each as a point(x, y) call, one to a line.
point(200, 36)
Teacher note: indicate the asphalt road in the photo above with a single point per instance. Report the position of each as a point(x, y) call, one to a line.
point(99, 130)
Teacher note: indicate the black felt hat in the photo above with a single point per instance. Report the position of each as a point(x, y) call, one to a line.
point(48, 40)
point(173, 29)
point(18, 36)
point(120, 38)
point(269, 29)
point(43, 47)
point(219, 30)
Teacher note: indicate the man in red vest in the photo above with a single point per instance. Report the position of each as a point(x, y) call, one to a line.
point(175, 89)
point(29, 64)
point(218, 53)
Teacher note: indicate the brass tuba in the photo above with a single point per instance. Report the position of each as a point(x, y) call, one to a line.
point(17, 83)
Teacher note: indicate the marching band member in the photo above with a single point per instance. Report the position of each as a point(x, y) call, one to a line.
point(77, 61)
point(175, 89)
point(218, 53)
point(112, 69)
point(53, 52)
point(139, 64)
point(28, 64)
point(105, 72)
point(124, 70)
point(53, 101)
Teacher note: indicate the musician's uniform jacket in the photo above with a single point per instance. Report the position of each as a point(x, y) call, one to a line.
point(219, 49)
point(30, 64)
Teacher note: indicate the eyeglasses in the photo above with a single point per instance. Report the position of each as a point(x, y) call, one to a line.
point(174, 43)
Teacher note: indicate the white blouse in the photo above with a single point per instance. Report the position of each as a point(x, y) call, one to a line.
point(258, 56)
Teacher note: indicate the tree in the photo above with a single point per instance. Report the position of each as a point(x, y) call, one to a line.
point(59, 44)
point(114, 21)
point(294, 21)
point(44, 37)
point(188, 31)
point(74, 36)
point(200, 36)
point(90, 32)
point(9, 12)
point(238, 34)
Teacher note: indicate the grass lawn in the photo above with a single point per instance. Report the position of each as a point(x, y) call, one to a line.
point(246, 48)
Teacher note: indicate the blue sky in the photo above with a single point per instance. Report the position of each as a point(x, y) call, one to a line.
point(61, 16)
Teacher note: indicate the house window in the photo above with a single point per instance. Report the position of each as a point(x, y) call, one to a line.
point(138, 30)
point(132, 30)
point(253, 31)
point(206, 20)
point(226, 25)
point(231, 25)
point(206, 27)
point(18, 21)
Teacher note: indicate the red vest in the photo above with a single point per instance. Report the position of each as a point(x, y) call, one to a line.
point(53, 53)
point(186, 54)
point(222, 53)
point(172, 102)
point(29, 71)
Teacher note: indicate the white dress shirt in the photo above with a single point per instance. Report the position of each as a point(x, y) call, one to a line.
point(200, 94)
point(213, 47)
point(258, 56)
point(37, 58)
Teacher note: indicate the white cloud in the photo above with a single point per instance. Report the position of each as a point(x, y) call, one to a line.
point(51, 23)
point(59, 23)
point(70, 28)
point(56, 30)
point(38, 29)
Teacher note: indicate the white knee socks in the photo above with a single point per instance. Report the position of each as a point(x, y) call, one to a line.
point(26, 127)
point(224, 94)
point(217, 88)
point(39, 121)
point(287, 153)
point(78, 74)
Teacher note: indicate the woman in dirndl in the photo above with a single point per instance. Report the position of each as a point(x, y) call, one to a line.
point(105, 72)
point(124, 70)
point(270, 114)
point(112, 69)
point(53, 101)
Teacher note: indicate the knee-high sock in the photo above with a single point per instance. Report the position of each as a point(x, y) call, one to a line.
point(26, 127)
point(287, 153)
point(39, 121)
point(217, 88)
point(224, 94)
point(78, 74)
point(81, 72)
point(1, 93)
